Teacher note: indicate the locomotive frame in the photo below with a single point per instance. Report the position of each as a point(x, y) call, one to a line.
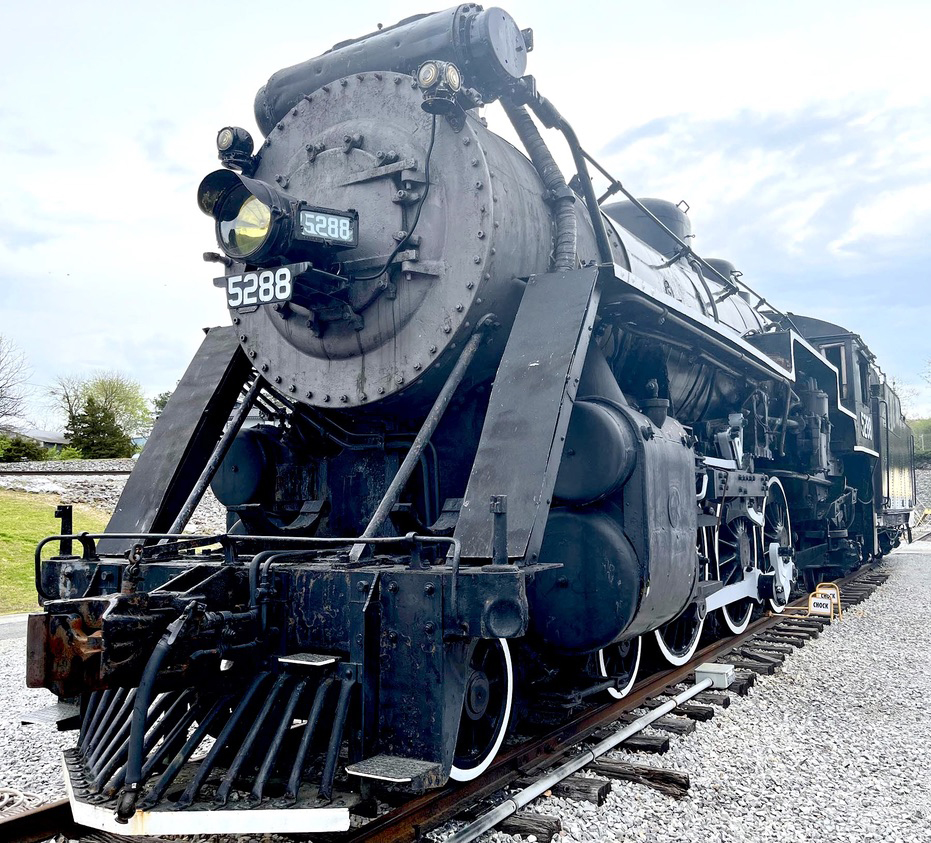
point(515, 437)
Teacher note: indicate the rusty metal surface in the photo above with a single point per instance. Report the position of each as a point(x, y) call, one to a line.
point(482, 222)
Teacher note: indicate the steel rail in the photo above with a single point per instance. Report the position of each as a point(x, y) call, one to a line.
point(40, 823)
point(409, 821)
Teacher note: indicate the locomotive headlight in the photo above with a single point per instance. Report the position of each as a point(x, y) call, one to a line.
point(440, 82)
point(253, 220)
point(256, 224)
point(244, 224)
point(453, 77)
point(428, 75)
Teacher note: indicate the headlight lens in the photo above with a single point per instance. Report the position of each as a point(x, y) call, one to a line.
point(453, 78)
point(243, 224)
point(428, 74)
point(225, 139)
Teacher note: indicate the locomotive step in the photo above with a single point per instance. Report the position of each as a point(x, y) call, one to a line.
point(64, 715)
point(308, 659)
point(394, 769)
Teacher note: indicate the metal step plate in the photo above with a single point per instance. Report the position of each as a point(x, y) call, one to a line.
point(397, 770)
point(63, 715)
point(308, 659)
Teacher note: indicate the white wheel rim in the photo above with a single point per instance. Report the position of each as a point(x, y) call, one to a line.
point(465, 774)
point(620, 693)
point(672, 658)
point(735, 626)
point(775, 481)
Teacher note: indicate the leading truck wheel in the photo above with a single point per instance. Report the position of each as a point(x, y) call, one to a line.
point(486, 709)
point(678, 639)
point(621, 663)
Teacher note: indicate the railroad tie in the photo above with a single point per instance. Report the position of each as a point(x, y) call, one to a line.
point(579, 788)
point(690, 710)
point(671, 782)
point(671, 724)
point(542, 826)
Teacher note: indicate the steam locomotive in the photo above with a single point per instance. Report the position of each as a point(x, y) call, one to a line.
point(512, 436)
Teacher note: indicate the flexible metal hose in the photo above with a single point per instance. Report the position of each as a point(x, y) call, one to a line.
point(565, 254)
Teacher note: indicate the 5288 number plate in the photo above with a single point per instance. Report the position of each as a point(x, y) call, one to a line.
point(259, 287)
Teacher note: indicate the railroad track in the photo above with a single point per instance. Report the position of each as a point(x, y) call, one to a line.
point(759, 650)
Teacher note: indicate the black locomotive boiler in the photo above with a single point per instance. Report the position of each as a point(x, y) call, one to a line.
point(512, 436)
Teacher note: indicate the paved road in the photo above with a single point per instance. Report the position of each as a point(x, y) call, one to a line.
point(12, 626)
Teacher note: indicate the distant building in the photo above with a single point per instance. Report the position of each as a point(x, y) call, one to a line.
point(46, 438)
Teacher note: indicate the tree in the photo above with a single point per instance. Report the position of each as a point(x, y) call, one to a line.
point(113, 391)
point(95, 432)
point(159, 402)
point(13, 376)
point(21, 449)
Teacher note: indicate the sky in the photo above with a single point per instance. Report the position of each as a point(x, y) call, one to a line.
point(799, 133)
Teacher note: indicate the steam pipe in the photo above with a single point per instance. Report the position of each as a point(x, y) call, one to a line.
point(486, 45)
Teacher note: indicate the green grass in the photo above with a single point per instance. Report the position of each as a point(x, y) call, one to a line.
point(26, 519)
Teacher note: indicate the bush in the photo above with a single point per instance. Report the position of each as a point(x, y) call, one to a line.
point(69, 453)
point(21, 449)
